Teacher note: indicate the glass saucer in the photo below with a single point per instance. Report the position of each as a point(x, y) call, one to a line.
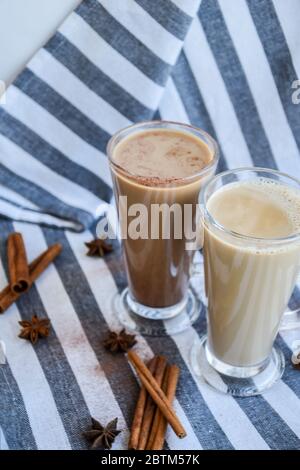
point(236, 381)
point(156, 321)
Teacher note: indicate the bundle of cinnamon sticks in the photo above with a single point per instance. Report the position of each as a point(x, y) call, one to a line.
point(21, 274)
point(154, 406)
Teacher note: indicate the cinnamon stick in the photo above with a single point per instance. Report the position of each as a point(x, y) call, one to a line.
point(150, 405)
point(160, 424)
point(158, 415)
point(156, 393)
point(139, 411)
point(39, 264)
point(17, 263)
point(36, 268)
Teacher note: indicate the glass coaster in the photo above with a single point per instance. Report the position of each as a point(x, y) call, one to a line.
point(156, 322)
point(251, 384)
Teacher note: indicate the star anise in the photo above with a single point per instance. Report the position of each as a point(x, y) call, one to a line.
point(98, 247)
point(34, 329)
point(100, 436)
point(119, 342)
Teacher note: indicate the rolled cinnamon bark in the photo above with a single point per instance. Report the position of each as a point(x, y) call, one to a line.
point(36, 268)
point(139, 411)
point(150, 405)
point(157, 394)
point(158, 415)
point(18, 268)
point(158, 432)
point(39, 264)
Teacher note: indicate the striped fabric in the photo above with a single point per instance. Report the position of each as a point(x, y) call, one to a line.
point(226, 66)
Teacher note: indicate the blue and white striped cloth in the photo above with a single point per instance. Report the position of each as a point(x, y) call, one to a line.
point(227, 66)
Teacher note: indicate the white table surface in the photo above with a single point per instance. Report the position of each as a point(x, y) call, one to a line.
point(25, 25)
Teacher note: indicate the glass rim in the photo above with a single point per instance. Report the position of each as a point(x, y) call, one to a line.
point(232, 233)
point(187, 127)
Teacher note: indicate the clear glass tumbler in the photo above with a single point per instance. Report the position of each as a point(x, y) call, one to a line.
point(158, 299)
point(249, 281)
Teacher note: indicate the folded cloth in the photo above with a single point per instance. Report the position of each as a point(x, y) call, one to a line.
point(105, 68)
point(111, 63)
point(232, 70)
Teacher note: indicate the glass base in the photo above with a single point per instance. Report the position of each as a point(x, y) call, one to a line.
point(156, 321)
point(236, 381)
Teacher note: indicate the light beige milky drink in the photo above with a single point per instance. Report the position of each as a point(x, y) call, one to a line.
point(159, 166)
point(248, 281)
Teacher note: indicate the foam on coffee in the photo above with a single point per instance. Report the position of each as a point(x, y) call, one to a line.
point(260, 208)
point(162, 153)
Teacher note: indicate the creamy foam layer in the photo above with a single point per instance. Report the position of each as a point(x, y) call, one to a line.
point(163, 154)
point(259, 208)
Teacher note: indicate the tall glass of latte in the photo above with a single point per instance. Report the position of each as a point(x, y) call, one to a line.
point(158, 168)
point(251, 255)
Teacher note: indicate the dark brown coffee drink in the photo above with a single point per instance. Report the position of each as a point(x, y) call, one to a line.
point(159, 166)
